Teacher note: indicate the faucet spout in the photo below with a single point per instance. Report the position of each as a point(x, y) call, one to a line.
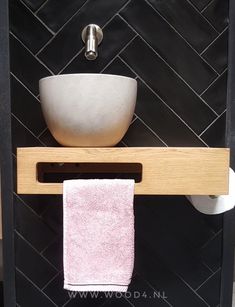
point(92, 36)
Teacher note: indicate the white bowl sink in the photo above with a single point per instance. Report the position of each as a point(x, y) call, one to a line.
point(88, 109)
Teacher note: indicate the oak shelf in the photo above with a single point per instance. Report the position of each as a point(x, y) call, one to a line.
point(165, 171)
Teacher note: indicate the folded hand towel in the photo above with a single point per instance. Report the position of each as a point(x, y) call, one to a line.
point(98, 234)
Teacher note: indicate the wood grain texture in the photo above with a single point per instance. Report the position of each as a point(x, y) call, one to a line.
point(166, 171)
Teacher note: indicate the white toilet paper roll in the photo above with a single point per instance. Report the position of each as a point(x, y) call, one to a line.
point(215, 205)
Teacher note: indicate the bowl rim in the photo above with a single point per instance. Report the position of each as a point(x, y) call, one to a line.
point(86, 74)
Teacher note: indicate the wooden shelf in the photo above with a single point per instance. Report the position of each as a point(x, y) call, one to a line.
point(165, 171)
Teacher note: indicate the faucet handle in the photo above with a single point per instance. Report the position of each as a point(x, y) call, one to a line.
point(92, 35)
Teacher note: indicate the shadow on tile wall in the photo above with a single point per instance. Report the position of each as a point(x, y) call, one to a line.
point(177, 51)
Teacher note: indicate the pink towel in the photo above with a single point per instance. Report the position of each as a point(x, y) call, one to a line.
point(98, 234)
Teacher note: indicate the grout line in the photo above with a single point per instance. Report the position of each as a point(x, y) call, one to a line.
point(134, 119)
point(147, 1)
point(211, 239)
point(29, 9)
point(206, 19)
point(27, 89)
point(71, 60)
point(40, 134)
point(203, 92)
point(57, 236)
point(103, 27)
point(41, 6)
point(35, 56)
point(27, 129)
point(128, 300)
point(212, 123)
point(193, 290)
point(143, 122)
point(26, 277)
point(116, 56)
point(28, 243)
point(207, 267)
point(225, 29)
point(166, 105)
point(54, 277)
point(153, 288)
point(206, 6)
point(67, 302)
point(26, 205)
point(41, 219)
point(219, 269)
point(124, 143)
point(177, 74)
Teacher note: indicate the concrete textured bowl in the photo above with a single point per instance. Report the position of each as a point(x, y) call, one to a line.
point(88, 109)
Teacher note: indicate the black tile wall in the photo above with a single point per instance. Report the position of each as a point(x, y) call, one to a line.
point(56, 8)
point(218, 59)
point(217, 13)
point(177, 51)
point(33, 36)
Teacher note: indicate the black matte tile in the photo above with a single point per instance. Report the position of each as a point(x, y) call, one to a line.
point(168, 207)
point(40, 235)
point(217, 13)
point(28, 261)
point(55, 290)
point(117, 67)
point(117, 302)
point(107, 50)
point(63, 10)
point(39, 202)
point(216, 95)
point(215, 222)
point(70, 37)
point(28, 295)
point(179, 248)
point(148, 263)
point(200, 4)
point(26, 107)
point(139, 135)
point(53, 216)
point(217, 53)
point(26, 67)
point(27, 27)
point(171, 47)
point(21, 137)
point(214, 136)
point(54, 253)
point(212, 252)
point(146, 296)
point(47, 138)
point(187, 21)
point(210, 291)
point(168, 85)
point(34, 4)
point(162, 120)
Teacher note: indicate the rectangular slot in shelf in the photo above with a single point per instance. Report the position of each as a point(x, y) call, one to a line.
point(165, 170)
point(58, 172)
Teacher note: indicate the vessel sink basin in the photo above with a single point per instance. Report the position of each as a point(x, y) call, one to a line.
point(88, 109)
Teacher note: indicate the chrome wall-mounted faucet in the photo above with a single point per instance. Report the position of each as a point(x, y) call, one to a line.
point(92, 36)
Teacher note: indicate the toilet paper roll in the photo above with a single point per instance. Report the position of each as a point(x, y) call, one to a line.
point(215, 205)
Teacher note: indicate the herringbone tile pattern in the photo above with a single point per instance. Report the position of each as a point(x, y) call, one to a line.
point(177, 51)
